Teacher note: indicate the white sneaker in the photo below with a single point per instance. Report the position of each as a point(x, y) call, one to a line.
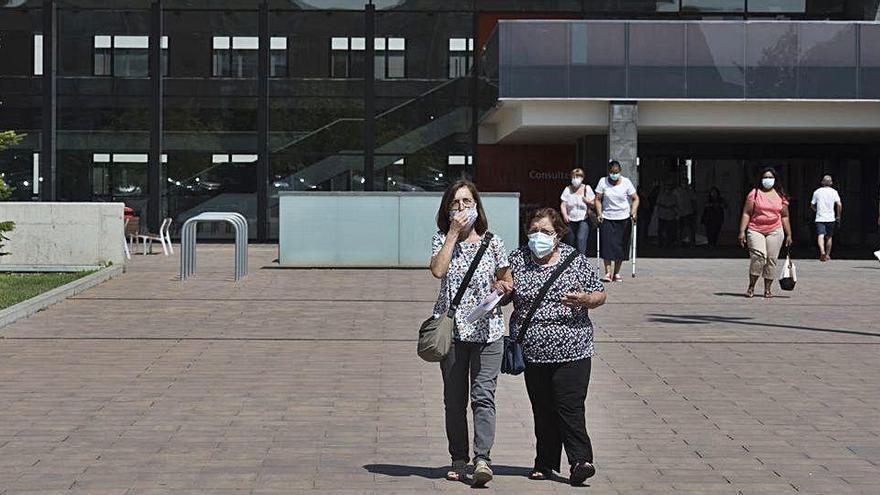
point(482, 473)
point(877, 254)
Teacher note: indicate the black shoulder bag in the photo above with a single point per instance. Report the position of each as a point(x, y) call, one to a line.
point(512, 361)
point(436, 334)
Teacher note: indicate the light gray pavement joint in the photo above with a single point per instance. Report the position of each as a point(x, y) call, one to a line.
point(306, 381)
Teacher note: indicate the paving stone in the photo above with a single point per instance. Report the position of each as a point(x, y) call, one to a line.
point(306, 381)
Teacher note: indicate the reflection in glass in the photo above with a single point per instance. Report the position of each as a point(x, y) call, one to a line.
point(715, 60)
point(827, 61)
point(771, 60)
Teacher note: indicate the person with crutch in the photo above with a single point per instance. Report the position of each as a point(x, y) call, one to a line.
point(617, 204)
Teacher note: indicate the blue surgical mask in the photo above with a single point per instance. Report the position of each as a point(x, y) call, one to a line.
point(768, 182)
point(541, 244)
point(614, 177)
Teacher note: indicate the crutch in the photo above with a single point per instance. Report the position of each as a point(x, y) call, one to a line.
point(598, 244)
point(635, 231)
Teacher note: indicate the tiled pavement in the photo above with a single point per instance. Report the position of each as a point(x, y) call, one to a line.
point(306, 381)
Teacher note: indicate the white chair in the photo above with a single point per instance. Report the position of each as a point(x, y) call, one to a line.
point(124, 241)
point(163, 237)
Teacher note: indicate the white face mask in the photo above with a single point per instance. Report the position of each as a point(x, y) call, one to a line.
point(768, 182)
point(576, 182)
point(471, 216)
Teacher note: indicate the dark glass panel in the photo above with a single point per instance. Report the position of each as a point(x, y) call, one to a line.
point(598, 59)
point(771, 60)
point(778, 6)
point(535, 61)
point(720, 6)
point(827, 61)
point(244, 63)
point(870, 61)
point(715, 60)
point(130, 62)
point(656, 57)
point(278, 63)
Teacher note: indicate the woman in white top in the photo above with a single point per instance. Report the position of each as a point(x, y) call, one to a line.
point(617, 204)
point(577, 200)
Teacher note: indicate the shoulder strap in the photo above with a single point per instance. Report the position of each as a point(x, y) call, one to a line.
point(466, 281)
point(543, 293)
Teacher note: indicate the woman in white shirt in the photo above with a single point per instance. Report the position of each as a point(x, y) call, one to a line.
point(617, 204)
point(577, 200)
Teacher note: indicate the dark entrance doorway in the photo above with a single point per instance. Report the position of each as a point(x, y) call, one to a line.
point(684, 175)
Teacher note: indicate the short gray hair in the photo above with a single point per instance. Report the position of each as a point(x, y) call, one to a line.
point(827, 180)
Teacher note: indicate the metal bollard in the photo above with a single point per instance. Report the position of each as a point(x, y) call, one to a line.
point(188, 241)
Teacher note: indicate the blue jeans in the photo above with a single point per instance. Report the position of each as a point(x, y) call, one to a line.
point(577, 235)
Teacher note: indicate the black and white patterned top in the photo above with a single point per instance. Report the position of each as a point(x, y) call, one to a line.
point(490, 327)
point(558, 333)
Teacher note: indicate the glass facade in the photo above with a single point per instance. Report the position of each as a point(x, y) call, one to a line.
point(262, 96)
point(763, 59)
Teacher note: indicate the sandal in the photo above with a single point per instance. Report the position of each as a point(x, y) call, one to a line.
point(618, 278)
point(750, 293)
point(458, 472)
point(607, 278)
point(768, 294)
point(540, 474)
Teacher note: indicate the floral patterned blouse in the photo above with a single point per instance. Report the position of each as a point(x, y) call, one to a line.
point(490, 327)
point(558, 333)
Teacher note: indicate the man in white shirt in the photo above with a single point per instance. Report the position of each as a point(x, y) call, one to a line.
point(828, 207)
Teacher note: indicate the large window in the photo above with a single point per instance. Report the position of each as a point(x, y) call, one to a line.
point(461, 56)
point(120, 175)
point(347, 57)
point(38, 54)
point(122, 56)
point(238, 56)
point(278, 57)
point(390, 58)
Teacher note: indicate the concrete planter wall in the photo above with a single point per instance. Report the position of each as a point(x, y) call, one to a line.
point(62, 236)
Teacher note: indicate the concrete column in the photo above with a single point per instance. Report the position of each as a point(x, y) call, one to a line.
point(623, 137)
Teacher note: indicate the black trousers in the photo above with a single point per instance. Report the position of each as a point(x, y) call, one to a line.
point(558, 392)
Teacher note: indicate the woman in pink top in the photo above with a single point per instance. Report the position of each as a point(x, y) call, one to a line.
point(764, 228)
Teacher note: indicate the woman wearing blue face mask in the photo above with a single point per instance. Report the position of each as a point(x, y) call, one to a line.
point(557, 343)
point(471, 368)
point(617, 205)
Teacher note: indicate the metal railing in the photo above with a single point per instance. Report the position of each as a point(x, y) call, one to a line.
point(188, 242)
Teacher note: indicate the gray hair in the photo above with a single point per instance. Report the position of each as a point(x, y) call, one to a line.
point(827, 181)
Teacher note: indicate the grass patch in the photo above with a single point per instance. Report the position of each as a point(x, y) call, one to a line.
point(18, 287)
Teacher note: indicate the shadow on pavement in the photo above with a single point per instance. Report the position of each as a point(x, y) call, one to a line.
point(739, 320)
point(743, 295)
point(437, 473)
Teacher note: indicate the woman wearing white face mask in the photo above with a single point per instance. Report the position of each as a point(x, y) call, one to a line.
point(471, 368)
point(764, 227)
point(557, 340)
point(618, 206)
point(577, 201)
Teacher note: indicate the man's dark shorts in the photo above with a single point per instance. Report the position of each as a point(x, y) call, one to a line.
point(825, 228)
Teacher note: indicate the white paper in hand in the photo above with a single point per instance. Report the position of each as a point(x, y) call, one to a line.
point(484, 307)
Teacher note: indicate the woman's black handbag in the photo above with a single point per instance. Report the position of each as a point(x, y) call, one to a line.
point(513, 361)
point(436, 334)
